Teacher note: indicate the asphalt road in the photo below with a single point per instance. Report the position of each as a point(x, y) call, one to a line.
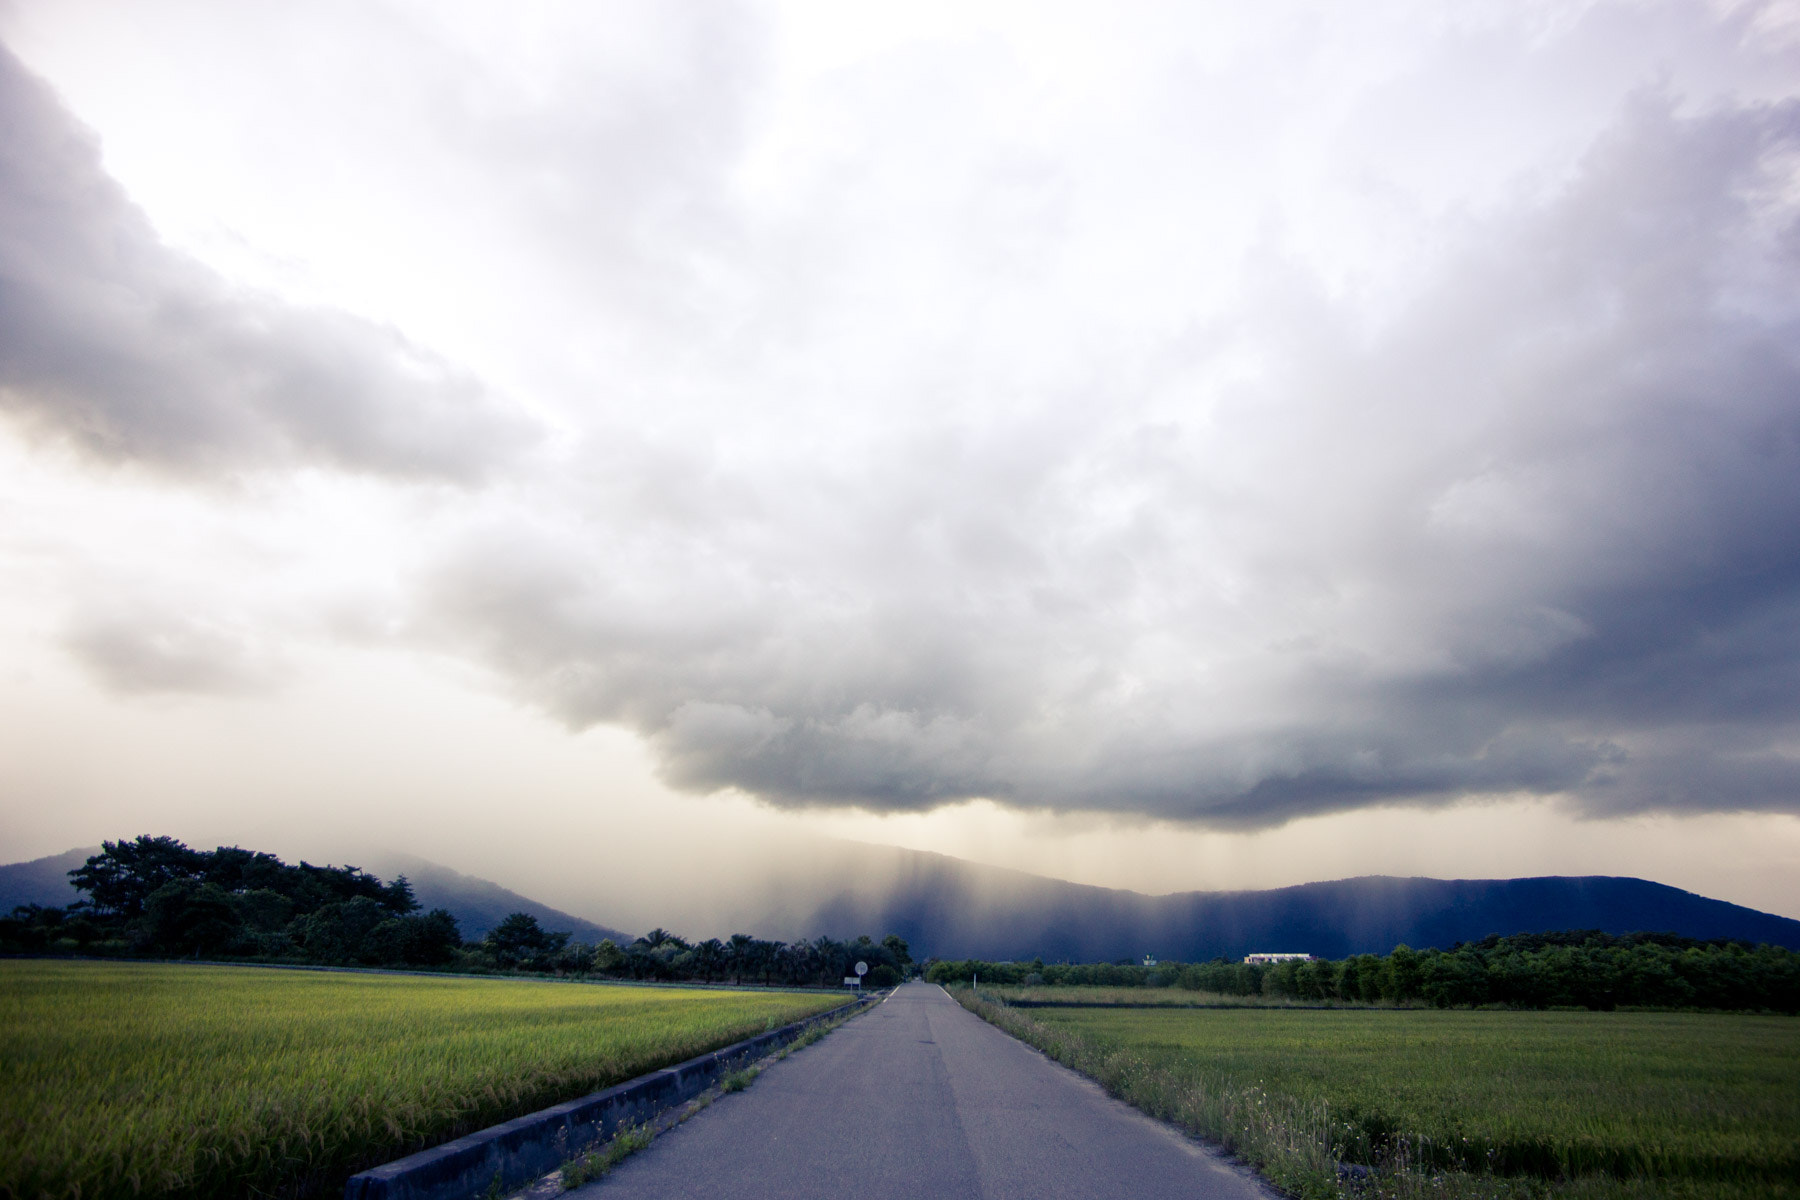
point(918, 1098)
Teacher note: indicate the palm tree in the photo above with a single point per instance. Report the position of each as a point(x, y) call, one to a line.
point(709, 956)
point(740, 951)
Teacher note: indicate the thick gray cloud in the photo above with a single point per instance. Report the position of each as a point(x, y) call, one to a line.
point(133, 352)
point(1536, 529)
point(1226, 415)
point(142, 651)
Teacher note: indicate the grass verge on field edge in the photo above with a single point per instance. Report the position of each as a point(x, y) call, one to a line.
point(1286, 1139)
point(1295, 1144)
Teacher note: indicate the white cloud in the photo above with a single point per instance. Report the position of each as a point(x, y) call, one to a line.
point(135, 353)
point(1221, 417)
point(1377, 563)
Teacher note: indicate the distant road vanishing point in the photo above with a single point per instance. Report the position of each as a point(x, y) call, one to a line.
point(919, 1098)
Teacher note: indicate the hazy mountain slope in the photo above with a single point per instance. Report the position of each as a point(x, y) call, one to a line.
point(478, 904)
point(952, 908)
point(956, 909)
point(42, 881)
point(1374, 913)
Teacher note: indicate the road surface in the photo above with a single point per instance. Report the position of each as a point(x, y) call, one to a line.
point(920, 1099)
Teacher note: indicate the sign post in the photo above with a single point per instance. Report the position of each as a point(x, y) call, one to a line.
point(862, 968)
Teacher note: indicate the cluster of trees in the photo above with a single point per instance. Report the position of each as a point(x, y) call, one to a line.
point(824, 962)
point(159, 898)
point(1114, 974)
point(520, 943)
point(1579, 969)
point(156, 896)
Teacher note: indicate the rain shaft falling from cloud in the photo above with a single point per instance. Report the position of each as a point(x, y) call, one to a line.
point(1228, 417)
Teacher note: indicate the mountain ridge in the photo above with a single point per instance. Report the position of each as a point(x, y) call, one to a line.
point(953, 908)
point(480, 904)
point(477, 904)
point(42, 881)
point(956, 909)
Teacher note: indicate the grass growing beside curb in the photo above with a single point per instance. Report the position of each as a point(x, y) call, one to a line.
point(812, 1034)
point(1284, 1139)
point(1365, 1104)
point(594, 1164)
point(737, 1081)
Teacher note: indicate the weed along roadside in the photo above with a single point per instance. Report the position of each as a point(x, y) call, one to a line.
point(597, 1162)
point(1368, 1102)
point(572, 1143)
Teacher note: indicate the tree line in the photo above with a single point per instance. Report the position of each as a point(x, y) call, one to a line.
point(824, 962)
point(156, 897)
point(1574, 969)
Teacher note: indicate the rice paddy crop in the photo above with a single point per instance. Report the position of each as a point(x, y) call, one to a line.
point(1568, 1104)
point(1078, 996)
point(121, 1079)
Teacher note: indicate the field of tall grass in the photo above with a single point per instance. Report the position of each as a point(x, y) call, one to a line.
point(1078, 996)
point(1365, 1102)
point(128, 1079)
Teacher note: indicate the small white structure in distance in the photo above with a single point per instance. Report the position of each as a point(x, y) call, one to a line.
point(1149, 960)
point(1276, 958)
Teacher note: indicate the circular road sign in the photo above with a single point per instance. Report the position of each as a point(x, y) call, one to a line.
point(862, 968)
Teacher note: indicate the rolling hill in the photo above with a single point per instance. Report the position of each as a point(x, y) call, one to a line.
point(956, 909)
point(951, 908)
point(477, 904)
point(42, 881)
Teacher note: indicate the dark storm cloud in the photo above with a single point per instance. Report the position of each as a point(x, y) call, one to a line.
point(132, 352)
point(1537, 531)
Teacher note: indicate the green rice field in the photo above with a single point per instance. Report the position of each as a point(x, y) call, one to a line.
point(1065, 996)
point(120, 1079)
point(1460, 1102)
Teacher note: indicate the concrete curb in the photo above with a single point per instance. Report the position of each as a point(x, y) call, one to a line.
point(529, 1147)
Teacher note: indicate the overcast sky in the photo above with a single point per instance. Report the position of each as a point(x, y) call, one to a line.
point(1170, 446)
